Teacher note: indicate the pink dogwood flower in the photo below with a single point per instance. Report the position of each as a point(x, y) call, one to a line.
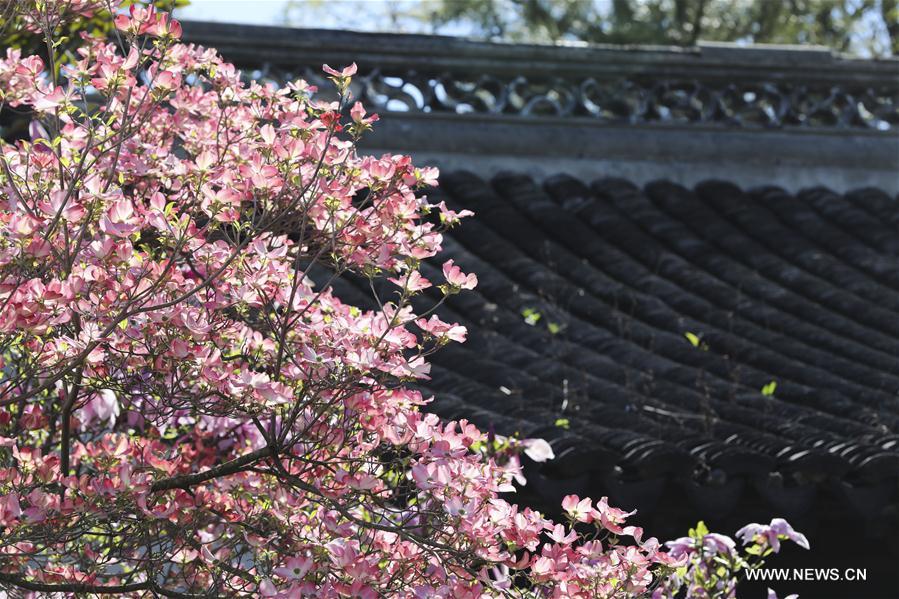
point(455, 277)
point(295, 568)
point(538, 450)
point(578, 509)
point(343, 73)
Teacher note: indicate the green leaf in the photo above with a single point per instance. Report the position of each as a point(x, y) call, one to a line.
point(563, 423)
point(531, 316)
point(696, 341)
point(700, 531)
point(769, 389)
point(754, 550)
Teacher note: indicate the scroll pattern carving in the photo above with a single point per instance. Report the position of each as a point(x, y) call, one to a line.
point(750, 105)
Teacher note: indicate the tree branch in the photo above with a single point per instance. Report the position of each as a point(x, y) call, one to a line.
point(78, 587)
point(186, 481)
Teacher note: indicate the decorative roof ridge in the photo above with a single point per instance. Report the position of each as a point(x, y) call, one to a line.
point(766, 113)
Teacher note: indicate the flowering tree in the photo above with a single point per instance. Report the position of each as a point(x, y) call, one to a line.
point(183, 410)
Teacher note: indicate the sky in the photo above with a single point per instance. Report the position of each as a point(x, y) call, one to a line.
point(367, 15)
point(360, 15)
point(343, 14)
point(255, 12)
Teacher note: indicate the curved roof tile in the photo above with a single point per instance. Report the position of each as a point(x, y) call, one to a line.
point(800, 290)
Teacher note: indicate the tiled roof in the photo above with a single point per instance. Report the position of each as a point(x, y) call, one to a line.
point(636, 328)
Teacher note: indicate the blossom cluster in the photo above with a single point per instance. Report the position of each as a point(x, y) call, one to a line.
point(714, 564)
point(186, 406)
